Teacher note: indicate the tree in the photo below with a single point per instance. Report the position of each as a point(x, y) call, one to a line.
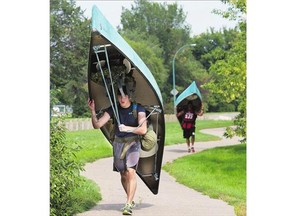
point(69, 45)
point(229, 75)
point(148, 49)
point(211, 47)
point(165, 21)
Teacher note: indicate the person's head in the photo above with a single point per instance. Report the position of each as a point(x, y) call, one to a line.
point(190, 105)
point(123, 97)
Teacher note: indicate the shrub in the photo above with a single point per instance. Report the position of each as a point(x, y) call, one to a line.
point(64, 170)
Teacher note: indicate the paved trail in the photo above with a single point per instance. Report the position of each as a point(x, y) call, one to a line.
point(172, 199)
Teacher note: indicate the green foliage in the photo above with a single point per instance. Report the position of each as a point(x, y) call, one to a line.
point(212, 46)
point(240, 121)
point(69, 45)
point(235, 11)
point(229, 81)
point(228, 73)
point(148, 49)
point(64, 170)
point(53, 99)
point(165, 21)
point(188, 69)
point(221, 106)
point(85, 196)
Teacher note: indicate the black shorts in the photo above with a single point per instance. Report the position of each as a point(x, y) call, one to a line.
point(187, 133)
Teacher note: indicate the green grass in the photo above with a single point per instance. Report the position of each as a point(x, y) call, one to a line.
point(93, 145)
point(208, 169)
point(86, 196)
point(174, 133)
point(219, 173)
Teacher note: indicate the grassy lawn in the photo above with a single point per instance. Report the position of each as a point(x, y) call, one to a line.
point(93, 145)
point(86, 196)
point(174, 133)
point(220, 177)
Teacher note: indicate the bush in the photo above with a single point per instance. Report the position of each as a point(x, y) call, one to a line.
point(64, 170)
point(222, 107)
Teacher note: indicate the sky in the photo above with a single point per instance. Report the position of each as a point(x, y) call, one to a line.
point(199, 14)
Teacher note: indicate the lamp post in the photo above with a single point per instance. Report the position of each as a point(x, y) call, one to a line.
point(174, 91)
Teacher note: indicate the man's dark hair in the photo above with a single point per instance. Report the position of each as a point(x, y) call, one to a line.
point(124, 90)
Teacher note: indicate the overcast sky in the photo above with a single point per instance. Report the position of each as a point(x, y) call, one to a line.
point(199, 14)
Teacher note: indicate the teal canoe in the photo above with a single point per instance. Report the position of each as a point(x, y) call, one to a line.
point(113, 61)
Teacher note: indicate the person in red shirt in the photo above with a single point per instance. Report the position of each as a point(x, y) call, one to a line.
point(189, 124)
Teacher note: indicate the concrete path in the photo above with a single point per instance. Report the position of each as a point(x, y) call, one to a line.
point(172, 198)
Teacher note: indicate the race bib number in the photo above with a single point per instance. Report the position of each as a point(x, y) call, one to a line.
point(188, 116)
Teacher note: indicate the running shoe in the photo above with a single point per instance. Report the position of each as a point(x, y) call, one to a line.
point(127, 210)
point(193, 150)
point(133, 204)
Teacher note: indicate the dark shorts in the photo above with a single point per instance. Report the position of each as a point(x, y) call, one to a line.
point(127, 159)
point(187, 133)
